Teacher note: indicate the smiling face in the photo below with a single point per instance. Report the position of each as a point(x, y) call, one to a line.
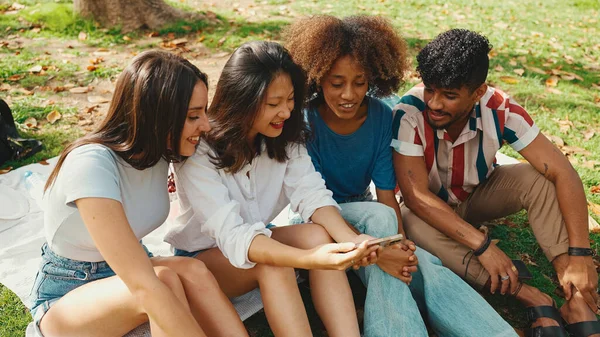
point(447, 108)
point(196, 121)
point(345, 87)
point(276, 108)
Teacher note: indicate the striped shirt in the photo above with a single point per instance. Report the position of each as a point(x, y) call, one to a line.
point(456, 168)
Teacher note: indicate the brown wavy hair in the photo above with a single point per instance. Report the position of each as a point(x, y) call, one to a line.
point(315, 43)
point(147, 111)
point(239, 97)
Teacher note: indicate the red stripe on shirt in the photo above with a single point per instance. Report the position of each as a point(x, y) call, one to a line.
point(495, 101)
point(458, 172)
point(417, 140)
point(429, 146)
point(515, 108)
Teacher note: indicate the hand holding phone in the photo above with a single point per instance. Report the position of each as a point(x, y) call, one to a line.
point(386, 241)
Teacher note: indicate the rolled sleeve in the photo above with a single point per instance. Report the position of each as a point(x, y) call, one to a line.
point(232, 235)
point(519, 128)
point(304, 187)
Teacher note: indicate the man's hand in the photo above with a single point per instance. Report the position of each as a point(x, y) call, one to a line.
point(499, 266)
point(371, 258)
point(399, 261)
point(581, 274)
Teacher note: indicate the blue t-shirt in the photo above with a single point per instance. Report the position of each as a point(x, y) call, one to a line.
point(348, 163)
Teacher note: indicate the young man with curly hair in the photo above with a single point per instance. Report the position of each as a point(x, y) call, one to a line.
point(351, 63)
point(447, 132)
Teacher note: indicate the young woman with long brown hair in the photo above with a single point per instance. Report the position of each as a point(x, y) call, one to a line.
point(106, 193)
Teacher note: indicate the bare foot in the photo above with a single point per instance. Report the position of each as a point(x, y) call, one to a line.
point(576, 310)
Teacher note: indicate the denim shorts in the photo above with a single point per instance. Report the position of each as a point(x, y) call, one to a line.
point(58, 275)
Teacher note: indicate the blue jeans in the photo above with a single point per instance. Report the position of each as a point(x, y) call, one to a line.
point(59, 275)
point(449, 304)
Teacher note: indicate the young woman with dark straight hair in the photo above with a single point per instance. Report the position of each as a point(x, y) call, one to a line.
point(108, 190)
point(251, 165)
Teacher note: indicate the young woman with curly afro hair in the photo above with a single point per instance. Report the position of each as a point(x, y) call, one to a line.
point(351, 65)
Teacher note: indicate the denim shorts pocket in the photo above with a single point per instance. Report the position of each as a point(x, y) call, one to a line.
point(52, 271)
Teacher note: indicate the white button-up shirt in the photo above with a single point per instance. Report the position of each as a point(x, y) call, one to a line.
point(220, 209)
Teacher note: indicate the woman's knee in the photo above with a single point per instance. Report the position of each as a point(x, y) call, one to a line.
point(169, 277)
point(313, 235)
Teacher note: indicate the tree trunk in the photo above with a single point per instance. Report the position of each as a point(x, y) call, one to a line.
point(129, 14)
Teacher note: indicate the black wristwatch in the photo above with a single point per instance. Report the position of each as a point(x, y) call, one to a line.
point(576, 251)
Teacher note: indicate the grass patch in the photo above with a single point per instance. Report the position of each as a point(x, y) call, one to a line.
point(57, 20)
point(16, 69)
point(14, 317)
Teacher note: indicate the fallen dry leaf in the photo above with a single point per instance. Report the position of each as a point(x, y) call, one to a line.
point(5, 170)
point(53, 116)
point(536, 70)
point(588, 135)
point(79, 90)
point(512, 62)
point(43, 162)
point(35, 69)
point(181, 41)
point(567, 77)
point(554, 91)
point(126, 38)
point(509, 79)
point(594, 208)
point(98, 99)
point(499, 68)
point(575, 150)
point(556, 140)
point(527, 259)
point(552, 81)
point(590, 164)
point(91, 67)
point(595, 189)
point(15, 77)
point(5, 87)
point(30, 122)
point(519, 71)
point(82, 36)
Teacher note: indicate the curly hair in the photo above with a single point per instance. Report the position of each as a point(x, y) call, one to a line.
point(455, 58)
point(315, 43)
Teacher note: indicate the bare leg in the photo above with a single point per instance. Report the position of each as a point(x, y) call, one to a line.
point(330, 290)
point(209, 305)
point(103, 308)
point(283, 305)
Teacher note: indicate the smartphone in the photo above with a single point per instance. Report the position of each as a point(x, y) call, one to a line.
point(384, 242)
point(524, 273)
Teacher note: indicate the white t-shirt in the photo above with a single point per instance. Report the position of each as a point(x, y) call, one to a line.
point(95, 171)
point(220, 209)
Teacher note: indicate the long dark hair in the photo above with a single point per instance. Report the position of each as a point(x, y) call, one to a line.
point(239, 97)
point(147, 111)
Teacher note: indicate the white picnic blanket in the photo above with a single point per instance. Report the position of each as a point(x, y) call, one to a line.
point(21, 240)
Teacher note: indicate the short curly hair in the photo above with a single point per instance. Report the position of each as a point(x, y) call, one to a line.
point(315, 43)
point(455, 58)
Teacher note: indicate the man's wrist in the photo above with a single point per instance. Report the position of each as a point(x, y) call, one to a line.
point(580, 251)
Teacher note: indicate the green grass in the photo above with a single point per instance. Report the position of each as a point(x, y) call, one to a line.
point(20, 64)
point(551, 35)
point(14, 317)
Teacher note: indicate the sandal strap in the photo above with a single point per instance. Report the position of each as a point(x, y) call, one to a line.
point(545, 311)
point(546, 331)
point(583, 329)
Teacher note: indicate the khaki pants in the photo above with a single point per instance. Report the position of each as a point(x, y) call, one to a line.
point(509, 189)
